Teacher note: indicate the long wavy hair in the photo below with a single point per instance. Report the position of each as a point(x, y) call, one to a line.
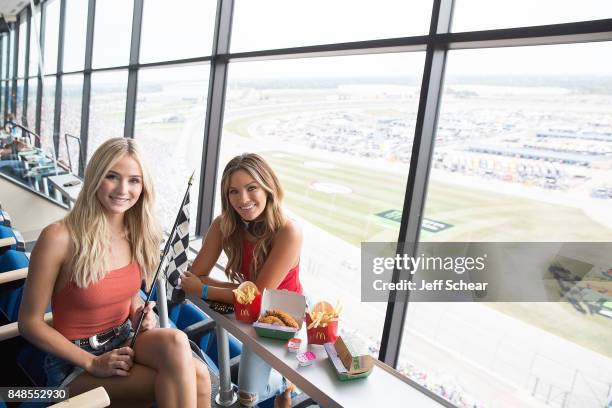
point(269, 221)
point(88, 226)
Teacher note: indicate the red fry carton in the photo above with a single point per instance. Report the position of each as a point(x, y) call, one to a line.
point(249, 312)
point(320, 334)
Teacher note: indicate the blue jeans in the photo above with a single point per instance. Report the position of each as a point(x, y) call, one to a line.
point(257, 381)
point(60, 373)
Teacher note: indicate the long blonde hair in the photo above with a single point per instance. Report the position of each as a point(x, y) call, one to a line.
point(231, 224)
point(88, 226)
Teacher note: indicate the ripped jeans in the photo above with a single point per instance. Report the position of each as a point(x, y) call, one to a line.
point(257, 381)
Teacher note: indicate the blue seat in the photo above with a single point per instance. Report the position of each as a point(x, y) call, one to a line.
point(13, 259)
point(7, 232)
point(10, 293)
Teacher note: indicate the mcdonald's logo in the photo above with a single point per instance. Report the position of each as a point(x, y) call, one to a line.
point(320, 336)
point(244, 313)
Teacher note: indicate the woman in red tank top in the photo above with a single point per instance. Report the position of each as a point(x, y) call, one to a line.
point(90, 265)
point(262, 245)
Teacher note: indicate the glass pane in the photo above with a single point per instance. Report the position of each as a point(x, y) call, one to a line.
point(34, 44)
point(170, 115)
point(12, 53)
point(471, 15)
point(75, 33)
point(257, 24)
point(112, 33)
point(32, 97)
point(107, 107)
point(4, 57)
point(19, 100)
point(51, 35)
point(340, 145)
point(11, 91)
point(2, 100)
point(191, 35)
point(72, 96)
point(522, 154)
point(47, 110)
point(23, 35)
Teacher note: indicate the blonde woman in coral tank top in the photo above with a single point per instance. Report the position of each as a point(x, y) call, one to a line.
point(90, 266)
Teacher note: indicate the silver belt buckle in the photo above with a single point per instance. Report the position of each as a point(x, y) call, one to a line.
point(94, 343)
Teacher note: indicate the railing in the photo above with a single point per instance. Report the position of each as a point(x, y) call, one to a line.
point(81, 156)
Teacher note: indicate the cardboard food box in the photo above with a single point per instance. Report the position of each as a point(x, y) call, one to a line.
point(348, 362)
point(289, 302)
point(250, 312)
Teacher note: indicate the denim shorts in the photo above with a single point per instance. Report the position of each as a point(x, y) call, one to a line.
point(60, 372)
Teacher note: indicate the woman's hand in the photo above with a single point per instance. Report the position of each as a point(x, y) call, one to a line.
point(115, 362)
point(149, 322)
point(191, 284)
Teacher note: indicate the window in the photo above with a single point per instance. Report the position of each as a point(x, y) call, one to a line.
point(47, 110)
point(112, 33)
point(32, 97)
point(191, 34)
point(170, 113)
point(23, 35)
point(471, 15)
point(72, 96)
point(107, 107)
point(34, 43)
point(19, 101)
point(340, 144)
point(522, 153)
point(257, 24)
point(52, 14)
point(11, 53)
point(4, 56)
point(2, 99)
point(76, 33)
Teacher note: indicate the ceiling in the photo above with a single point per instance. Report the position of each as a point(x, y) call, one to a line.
point(10, 8)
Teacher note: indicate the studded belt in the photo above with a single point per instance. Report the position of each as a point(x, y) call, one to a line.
point(98, 340)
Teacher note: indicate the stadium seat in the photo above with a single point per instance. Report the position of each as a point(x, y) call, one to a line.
point(7, 232)
point(13, 259)
point(10, 293)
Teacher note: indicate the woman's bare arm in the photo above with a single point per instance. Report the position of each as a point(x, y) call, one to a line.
point(48, 256)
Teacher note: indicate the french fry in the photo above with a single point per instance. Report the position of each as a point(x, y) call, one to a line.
point(246, 293)
point(323, 313)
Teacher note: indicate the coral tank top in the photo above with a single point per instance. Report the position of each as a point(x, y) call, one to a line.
point(291, 281)
point(83, 312)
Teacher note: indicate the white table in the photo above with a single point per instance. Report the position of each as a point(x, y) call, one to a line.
point(384, 387)
point(70, 192)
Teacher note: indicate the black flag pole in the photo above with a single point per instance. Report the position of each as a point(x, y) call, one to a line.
point(161, 262)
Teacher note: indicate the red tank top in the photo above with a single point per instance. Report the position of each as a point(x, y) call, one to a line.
point(83, 312)
point(291, 281)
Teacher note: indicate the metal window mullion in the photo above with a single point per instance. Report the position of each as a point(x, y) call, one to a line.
point(132, 85)
point(214, 115)
point(57, 113)
point(416, 186)
point(85, 100)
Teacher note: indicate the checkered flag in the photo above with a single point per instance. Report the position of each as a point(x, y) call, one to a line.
point(177, 255)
